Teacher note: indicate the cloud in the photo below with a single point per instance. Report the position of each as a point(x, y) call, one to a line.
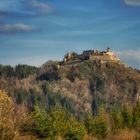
point(39, 7)
point(13, 10)
point(24, 8)
point(132, 2)
point(19, 27)
point(131, 57)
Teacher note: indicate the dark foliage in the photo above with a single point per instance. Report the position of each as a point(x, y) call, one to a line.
point(19, 71)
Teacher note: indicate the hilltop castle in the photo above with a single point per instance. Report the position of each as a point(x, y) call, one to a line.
point(103, 56)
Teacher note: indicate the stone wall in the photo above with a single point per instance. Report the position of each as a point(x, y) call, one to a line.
point(104, 58)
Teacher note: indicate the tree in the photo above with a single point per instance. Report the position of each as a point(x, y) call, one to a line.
point(136, 114)
point(49, 125)
point(8, 117)
point(7, 122)
point(98, 125)
point(116, 119)
point(75, 130)
point(127, 117)
point(11, 117)
point(23, 71)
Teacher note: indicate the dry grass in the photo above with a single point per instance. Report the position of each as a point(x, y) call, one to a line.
point(87, 137)
point(27, 137)
point(124, 134)
point(30, 137)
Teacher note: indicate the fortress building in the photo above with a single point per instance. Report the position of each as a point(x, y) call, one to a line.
point(103, 57)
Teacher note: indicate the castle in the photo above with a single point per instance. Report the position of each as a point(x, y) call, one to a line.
point(103, 56)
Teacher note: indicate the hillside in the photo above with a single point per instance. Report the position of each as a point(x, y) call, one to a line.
point(88, 96)
point(90, 84)
point(79, 87)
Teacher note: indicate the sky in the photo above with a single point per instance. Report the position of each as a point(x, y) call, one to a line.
point(35, 31)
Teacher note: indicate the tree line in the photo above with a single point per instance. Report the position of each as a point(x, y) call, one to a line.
point(19, 71)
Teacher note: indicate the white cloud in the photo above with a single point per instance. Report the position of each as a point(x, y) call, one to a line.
point(132, 2)
point(131, 57)
point(43, 7)
point(16, 28)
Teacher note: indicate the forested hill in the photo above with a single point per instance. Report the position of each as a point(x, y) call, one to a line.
point(19, 71)
point(79, 88)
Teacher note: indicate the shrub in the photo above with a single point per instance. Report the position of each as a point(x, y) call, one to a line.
point(75, 130)
point(136, 114)
point(73, 74)
point(127, 117)
point(97, 126)
point(117, 120)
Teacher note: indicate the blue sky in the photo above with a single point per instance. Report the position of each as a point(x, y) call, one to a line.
point(35, 31)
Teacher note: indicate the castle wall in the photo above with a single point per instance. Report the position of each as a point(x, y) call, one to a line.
point(104, 58)
point(109, 53)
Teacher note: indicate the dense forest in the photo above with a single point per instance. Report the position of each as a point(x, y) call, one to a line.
point(86, 100)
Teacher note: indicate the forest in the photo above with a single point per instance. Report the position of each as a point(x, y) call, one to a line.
point(81, 101)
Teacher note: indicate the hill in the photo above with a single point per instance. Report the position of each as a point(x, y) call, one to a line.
point(92, 95)
point(80, 86)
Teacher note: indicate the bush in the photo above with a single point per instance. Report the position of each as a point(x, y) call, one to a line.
point(98, 125)
point(136, 114)
point(116, 120)
point(73, 74)
point(75, 130)
point(127, 117)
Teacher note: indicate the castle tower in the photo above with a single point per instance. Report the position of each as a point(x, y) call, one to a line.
point(109, 52)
